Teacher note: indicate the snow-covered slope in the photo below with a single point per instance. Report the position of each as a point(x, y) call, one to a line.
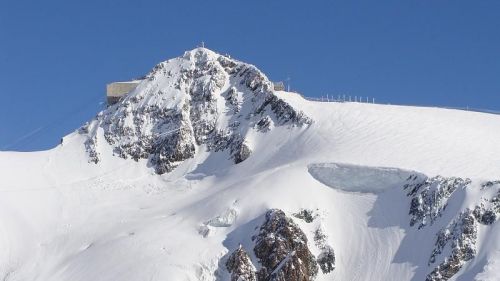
point(205, 173)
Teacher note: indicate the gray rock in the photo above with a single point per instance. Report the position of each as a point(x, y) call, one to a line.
point(461, 235)
point(429, 198)
point(264, 124)
point(305, 215)
point(240, 266)
point(140, 126)
point(241, 153)
point(326, 260)
point(282, 250)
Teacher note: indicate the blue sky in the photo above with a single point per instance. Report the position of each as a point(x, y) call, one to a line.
point(57, 56)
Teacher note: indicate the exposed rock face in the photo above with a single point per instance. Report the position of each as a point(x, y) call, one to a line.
point(306, 215)
point(326, 259)
point(462, 237)
point(90, 146)
point(459, 238)
point(264, 124)
point(489, 210)
point(200, 99)
point(241, 152)
point(281, 247)
point(429, 198)
point(485, 216)
point(240, 266)
point(282, 253)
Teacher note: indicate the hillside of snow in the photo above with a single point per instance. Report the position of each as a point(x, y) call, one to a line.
point(204, 172)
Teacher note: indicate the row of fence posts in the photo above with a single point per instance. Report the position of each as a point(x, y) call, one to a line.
point(344, 98)
point(347, 98)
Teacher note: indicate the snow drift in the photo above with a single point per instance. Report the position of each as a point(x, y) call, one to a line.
point(354, 178)
point(204, 172)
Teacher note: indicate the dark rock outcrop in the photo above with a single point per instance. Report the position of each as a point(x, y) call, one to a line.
point(264, 124)
point(489, 210)
point(282, 250)
point(176, 109)
point(429, 198)
point(305, 215)
point(240, 266)
point(462, 237)
point(241, 153)
point(326, 260)
point(485, 216)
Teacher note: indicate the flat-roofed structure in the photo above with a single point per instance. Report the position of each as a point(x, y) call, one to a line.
point(279, 86)
point(116, 90)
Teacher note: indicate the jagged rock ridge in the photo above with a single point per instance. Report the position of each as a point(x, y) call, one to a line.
point(429, 199)
point(461, 236)
point(281, 247)
point(199, 99)
point(282, 253)
point(240, 266)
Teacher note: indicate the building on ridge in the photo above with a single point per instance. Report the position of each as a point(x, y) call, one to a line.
point(117, 90)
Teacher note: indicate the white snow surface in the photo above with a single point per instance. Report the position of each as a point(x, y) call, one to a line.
point(63, 218)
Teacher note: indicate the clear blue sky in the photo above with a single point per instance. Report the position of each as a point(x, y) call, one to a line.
point(57, 56)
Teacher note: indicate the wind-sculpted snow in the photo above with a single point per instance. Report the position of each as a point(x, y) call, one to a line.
point(456, 244)
point(226, 219)
point(199, 101)
point(353, 178)
point(63, 218)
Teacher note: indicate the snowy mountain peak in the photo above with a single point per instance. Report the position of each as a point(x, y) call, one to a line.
point(201, 54)
point(253, 189)
point(200, 101)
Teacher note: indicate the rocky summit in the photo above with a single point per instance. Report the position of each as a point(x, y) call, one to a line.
point(200, 101)
point(204, 170)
